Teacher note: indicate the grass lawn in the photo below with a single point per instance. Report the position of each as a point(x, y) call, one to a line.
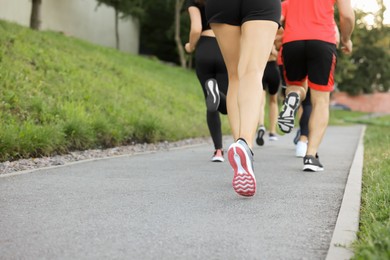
point(374, 231)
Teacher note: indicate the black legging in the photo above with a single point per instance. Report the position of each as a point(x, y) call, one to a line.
point(306, 111)
point(209, 64)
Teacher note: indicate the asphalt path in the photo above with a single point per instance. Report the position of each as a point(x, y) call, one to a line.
point(178, 205)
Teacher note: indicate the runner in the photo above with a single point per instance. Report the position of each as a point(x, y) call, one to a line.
point(210, 70)
point(271, 83)
point(309, 53)
point(245, 31)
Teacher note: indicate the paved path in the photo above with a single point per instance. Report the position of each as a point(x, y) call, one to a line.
point(177, 205)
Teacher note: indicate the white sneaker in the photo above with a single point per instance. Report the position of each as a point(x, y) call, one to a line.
point(300, 149)
point(218, 156)
point(273, 137)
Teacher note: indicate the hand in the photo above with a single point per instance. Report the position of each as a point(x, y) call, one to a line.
point(346, 47)
point(188, 48)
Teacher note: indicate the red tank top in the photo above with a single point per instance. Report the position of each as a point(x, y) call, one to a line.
point(309, 20)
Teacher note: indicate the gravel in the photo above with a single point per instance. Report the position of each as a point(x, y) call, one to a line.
point(42, 162)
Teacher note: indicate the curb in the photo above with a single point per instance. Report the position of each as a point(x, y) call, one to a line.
point(347, 224)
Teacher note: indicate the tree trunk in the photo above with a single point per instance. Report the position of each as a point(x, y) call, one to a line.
point(179, 44)
point(35, 18)
point(117, 28)
point(381, 16)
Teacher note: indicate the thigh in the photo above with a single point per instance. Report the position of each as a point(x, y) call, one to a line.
point(294, 62)
point(204, 62)
point(228, 38)
point(221, 74)
point(256, 43)
point(322, 59)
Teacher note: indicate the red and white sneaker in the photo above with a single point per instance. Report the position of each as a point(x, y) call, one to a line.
point(241, 159)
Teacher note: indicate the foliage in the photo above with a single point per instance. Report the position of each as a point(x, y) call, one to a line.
point(127, 8)
point(158, 31)
point(367, 70)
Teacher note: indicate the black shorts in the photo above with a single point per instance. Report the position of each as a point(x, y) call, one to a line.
point(311, 59)
point(237, 12)
point(271, 78)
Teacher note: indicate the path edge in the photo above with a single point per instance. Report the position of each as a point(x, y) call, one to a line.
point(347, 224)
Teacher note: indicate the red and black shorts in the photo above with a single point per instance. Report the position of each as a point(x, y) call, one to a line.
point(237, 12)
point(312, 59)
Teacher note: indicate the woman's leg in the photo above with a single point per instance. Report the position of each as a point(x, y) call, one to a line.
point(256, 43)
point(273, 113)
point(214, 124)
point(262, 109)
point(228, 37)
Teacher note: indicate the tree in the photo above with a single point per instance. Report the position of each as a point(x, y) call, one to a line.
point(179, 43)
point(367, 70)
point(123, 9)
point(35, 18)
point(158, 30)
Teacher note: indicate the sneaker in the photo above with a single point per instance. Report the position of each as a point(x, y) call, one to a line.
point(297, 136)
point(260, 134)
point(287, 115)
point(213, 98)
point(300, 149)
point(312, 164)
point(273, 137)
point(218, 156)
point(241, 159)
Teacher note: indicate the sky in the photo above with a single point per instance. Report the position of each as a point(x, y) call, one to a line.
point(372, 6)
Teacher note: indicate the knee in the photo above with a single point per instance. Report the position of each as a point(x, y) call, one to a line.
point(250, 70)
point(273, 99)
point(320, 100)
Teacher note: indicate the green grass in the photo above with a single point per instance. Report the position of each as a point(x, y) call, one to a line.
point(343, 117)
point(373, 242)
point(59, 94)
point(374, 231)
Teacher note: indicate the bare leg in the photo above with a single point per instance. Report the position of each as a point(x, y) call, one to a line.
point(228, 38)
point(273, 113)
point(318, 120)
point(301, 90)
point(262, 109)
point(256, 43)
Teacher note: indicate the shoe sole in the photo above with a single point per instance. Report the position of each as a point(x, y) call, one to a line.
point(217, 160)
point(212, 99)
point(312, 168)
point(260, 139)
point(244, 181)
point(287, 115)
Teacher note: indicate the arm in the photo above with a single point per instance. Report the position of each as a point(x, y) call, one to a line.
point(337, 36)
point(274, 51)
point(347, 24)
point(279, 38)
point(196, 28)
